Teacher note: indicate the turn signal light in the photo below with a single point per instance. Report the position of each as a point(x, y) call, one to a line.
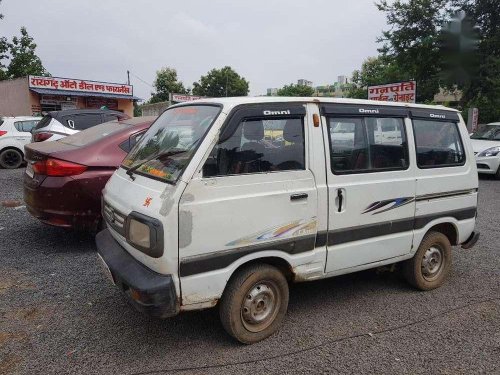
point(58, 168)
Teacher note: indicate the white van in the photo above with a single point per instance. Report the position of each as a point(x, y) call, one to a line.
point(207, 210)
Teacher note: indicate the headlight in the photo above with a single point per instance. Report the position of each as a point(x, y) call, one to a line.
point(145, 234)
point(492, 151)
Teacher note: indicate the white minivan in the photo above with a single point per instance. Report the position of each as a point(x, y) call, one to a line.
point(208, 210)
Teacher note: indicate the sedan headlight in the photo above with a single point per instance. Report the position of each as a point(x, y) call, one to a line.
point(492, 151)
point(145, 234)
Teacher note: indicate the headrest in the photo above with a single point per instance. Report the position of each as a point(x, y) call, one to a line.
point(292, 131)
point(253, 130)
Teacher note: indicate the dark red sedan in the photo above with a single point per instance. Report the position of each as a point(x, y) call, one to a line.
point(64, 178)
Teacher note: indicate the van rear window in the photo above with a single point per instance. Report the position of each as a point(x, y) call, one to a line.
point(438, 144)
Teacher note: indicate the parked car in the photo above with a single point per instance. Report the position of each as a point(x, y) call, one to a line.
point(59, 124)
point(486, 144)
point(15, 133)
point(64, 179)
point(227, 218)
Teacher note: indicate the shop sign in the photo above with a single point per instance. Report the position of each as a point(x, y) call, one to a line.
point(179, 98)
point(102, 102)
point(394, 92)
point(67, 84)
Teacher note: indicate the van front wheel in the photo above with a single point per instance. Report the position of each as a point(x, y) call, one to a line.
point(431, 264)
point(254, 303)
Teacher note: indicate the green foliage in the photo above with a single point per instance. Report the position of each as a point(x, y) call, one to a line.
point(374, 71)
point(220, 83)
point(483, 88)
point(166, 82)
point(23, 59)
point(413, 41)
point(295, 90)
point(137, 110)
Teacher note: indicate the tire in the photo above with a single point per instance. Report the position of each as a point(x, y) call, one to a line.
point(430, 266)
point(254, 303)
point(11, 158)
point(497, 175)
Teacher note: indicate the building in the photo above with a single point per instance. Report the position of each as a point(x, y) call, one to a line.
point(272, 92)
point(342, 80)
point(304, 82)
point(32, 96)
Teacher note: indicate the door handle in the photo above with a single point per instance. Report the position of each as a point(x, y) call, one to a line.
point(340, 199)
point(296, 197)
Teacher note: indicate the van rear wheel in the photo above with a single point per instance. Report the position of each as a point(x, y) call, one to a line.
point(431, 264)
point(254, 303)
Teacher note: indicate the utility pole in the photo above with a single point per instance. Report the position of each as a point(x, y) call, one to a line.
point(128, 77)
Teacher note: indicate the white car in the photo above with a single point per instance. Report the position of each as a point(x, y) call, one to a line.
point(15, 133)
point(486, 145)
point(59, 124)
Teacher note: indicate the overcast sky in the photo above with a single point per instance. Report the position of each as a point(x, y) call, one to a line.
point(269, 42)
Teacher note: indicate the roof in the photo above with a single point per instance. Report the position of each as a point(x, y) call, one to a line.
point(66, 112)
point(80, 93)
point(284, 99)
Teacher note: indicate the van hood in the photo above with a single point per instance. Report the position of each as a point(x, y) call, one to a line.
point(479, 145)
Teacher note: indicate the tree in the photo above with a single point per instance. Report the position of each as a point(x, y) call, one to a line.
point(4, 47)
point(166, 83)
point(221, 82)
point(23, 59)
point(295, 90)
point(483, 88)
point(413, 41)
point(374, 71)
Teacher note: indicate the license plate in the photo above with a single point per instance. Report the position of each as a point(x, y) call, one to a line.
point(105, 269)
point(29, 170)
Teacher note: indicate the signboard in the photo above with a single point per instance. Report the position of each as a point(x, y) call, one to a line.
point(394, 92)
point(475, 119)
point(68, 84)
point(179, 98)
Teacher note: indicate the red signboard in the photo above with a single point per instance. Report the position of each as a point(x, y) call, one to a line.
point(68, 84)
point(394, 92)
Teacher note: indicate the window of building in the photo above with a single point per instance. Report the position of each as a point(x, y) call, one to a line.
point(259, 145)
point(438, 144)
point(368, 144)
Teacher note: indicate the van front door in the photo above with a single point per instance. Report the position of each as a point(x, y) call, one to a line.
point(254, 194)
point(371, 185)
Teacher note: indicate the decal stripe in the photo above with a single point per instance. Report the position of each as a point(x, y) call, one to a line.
point(214, 261)
point(210, 262)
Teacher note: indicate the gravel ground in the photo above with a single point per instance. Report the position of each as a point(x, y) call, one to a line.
point(59, 314)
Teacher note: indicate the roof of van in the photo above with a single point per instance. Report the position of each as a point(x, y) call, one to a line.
point(285, 99)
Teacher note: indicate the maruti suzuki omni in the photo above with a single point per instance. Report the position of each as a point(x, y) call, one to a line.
point(228, 201)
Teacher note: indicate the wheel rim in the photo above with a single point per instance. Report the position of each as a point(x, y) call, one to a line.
point(432, 263)
point(11, 158)
point(260, 306)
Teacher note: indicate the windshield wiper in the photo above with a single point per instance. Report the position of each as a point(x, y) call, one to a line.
point(131, 170)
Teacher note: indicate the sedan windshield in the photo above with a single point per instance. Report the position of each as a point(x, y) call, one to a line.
point(167, 147)
point(489, 132)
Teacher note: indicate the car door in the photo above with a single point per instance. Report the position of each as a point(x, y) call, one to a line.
point(24, 129)
point(254, 194)
point(371, 184)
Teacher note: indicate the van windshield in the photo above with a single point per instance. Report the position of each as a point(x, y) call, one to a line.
point(167, 147)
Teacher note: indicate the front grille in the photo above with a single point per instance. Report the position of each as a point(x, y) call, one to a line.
point(114, 218)
point(483, 166)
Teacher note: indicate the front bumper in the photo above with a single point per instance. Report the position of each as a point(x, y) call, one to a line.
point(148, 291)
point(488, 164)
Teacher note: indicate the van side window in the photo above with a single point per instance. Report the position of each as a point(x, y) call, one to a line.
point(371, 144)
point(259, 145)
point(438, 144)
